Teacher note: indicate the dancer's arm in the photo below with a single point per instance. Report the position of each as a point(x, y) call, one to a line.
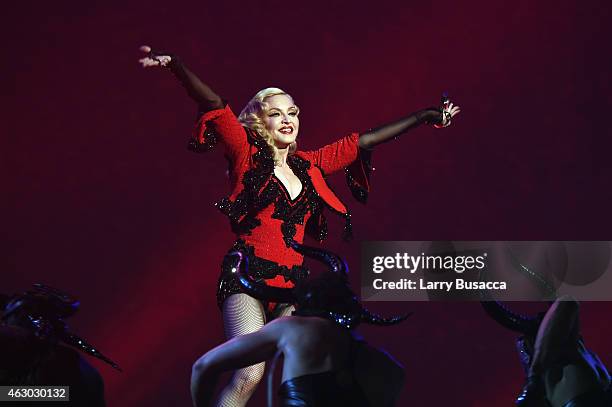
point(558, 332)
point(391, 131)
point(342, 153)
point(200, 92)
point(238, 352)
point(216, 122)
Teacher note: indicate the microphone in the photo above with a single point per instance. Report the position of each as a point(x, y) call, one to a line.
point(444, 101)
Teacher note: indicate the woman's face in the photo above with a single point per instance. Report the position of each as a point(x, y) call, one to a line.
point(281, 120)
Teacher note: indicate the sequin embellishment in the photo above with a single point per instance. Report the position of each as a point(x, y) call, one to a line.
point(259, 268)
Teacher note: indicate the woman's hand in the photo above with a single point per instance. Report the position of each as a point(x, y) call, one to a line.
point(448, 111)
point(154, 58)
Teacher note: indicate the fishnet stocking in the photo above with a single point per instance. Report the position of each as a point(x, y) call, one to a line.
point(242, 314)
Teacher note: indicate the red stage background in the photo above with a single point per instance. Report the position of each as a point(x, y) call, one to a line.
point(102, 199)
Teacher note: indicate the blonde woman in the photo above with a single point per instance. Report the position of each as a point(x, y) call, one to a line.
point(279, 193)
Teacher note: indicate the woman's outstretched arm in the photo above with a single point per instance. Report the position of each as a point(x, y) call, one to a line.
point(216, 122)
point(438, 117)
point(201, 93)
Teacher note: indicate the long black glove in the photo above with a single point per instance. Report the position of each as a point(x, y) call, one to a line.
point(196, 89)
point(203, 95)
point(374, 137)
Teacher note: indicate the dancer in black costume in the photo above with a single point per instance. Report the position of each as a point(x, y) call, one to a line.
point(561, 371)
point(323, 363)
point(38, 349)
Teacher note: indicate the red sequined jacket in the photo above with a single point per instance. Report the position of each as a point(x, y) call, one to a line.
point(261, 212)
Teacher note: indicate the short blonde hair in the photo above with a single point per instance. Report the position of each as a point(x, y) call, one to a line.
point(252, 117)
